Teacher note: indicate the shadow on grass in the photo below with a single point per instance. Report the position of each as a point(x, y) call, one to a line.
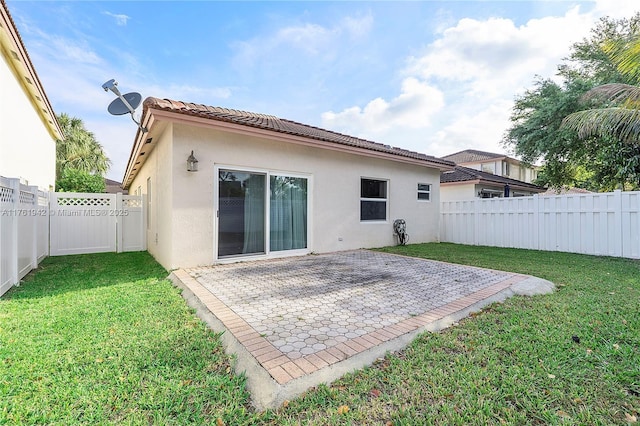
point(62, 274)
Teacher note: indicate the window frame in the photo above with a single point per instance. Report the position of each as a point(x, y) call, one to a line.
point(422, 191)
point(384, 200)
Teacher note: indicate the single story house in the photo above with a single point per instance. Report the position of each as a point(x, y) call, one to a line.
point(463, 183)
point(28, 124)
point(267, 187)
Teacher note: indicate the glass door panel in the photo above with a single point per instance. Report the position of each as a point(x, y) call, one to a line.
point(241, 213)
point(287, 213)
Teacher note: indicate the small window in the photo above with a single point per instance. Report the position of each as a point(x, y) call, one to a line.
point(373, 200)
point(424, 191)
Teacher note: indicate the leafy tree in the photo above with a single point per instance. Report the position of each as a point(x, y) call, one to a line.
point(537, 131)
point(79, 149)
point(621, 117)
point(594, 160)
point(74, 180)
point(588, 58)
point(618, 120)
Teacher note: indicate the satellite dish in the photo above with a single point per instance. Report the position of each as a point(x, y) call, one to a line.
point(119, 107)
point(123, 104)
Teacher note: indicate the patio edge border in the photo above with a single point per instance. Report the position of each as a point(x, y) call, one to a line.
point(273, 378)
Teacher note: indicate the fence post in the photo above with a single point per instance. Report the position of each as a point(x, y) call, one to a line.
point(2, 218)
point(536, 222)
point(119, 223)
point(15, 186)
point(34, 225)
point(617, 197)
point(476, 221)
point(143, 197)
point(47, 196)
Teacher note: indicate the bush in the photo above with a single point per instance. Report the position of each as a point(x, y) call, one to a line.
point(73, 180)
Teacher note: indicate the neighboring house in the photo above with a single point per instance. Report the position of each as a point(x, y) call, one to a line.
point(113, 187)
point(464, 183)
point(268, 187)
point(497, 164)
point(28, 126)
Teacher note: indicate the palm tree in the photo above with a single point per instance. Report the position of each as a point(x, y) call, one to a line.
point(79, 149)
point(620, 117)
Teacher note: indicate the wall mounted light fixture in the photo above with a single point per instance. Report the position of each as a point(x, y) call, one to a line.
point(192, 163)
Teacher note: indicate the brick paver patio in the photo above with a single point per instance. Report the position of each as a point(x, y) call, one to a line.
point(296, 316)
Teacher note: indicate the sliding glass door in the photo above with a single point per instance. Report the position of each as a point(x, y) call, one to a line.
point(241, 219)
point(288, 213)
point(247, 216)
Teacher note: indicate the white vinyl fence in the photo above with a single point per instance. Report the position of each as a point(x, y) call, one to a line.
point(24, 231)
point(605, 224)
point(35, 224)
point(95, 223)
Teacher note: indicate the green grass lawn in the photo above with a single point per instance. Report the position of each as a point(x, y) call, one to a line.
point(102, 339)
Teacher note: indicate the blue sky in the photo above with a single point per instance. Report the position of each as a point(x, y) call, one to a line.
point(430, 76)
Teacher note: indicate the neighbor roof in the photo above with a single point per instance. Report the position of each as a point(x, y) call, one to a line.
point(464, 174)
point(472, 156)
point(284, 127)
point(565, 191)
point(113, 187)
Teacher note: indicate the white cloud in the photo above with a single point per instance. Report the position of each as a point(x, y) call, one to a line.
point(495, 57)
point(413, 108)
point(359, 26)
point(121, 20)
point(71, 50)
point(484, 127)
point(73, 73)
point(617, 8)
point(477, 67)
point(309, 39)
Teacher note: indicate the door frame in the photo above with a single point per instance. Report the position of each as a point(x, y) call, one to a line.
point(267, 253)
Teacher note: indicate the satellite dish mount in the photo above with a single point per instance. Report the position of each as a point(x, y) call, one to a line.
point(123, 104)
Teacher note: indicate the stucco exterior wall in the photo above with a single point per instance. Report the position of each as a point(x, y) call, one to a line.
point(469, 191)
point(27, 150)
point(458, 192)
point(159, 203)
point(334, 191)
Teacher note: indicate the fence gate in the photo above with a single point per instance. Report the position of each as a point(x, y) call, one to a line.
point(93, 223)
point(34, 224)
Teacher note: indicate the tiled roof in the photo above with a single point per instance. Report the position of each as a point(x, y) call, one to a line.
point(113, 187)
point(463, 174)
point(281, 125)
point(565, 191)
point(472, 156)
